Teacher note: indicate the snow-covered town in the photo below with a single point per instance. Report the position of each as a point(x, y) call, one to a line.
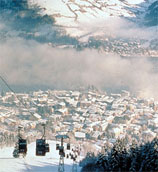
point(88, 116)
point(78, 85)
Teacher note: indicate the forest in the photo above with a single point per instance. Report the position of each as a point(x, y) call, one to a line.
point(136, 157)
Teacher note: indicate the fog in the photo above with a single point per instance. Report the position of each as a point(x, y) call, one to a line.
point(30, 63)
point(119, 28)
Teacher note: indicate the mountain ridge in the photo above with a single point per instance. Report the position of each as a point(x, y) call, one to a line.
point(32, 20)
point(72, 13)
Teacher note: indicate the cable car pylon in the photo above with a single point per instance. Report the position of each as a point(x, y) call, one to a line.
point(62, 155)
point(62, 151)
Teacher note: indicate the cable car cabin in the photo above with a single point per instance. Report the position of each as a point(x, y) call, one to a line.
point(61, 151)
point(57, 146)
point(68, 146)
point(72, 156)
point(22, 146)
point(47, 147)
point(41, 147)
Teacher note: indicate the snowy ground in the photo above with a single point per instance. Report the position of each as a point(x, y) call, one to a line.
point(32, 163)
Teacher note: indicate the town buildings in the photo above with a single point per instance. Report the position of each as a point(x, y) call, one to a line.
point(87, 116)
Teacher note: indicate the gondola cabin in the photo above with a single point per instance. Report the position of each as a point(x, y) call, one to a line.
point(22, 146)
point(71, 156)
point(40, 147)
point(68, 146)
point(61, 151)
point(57, 146)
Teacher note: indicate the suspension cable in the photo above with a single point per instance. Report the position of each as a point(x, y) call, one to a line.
point(9, 87)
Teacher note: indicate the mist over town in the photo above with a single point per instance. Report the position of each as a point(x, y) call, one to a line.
point(88, 71)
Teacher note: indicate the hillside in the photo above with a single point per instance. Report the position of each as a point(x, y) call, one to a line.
point(31, 162)
point(121, 157)
point(152, 14)
point(108, 26)
point(76, 15)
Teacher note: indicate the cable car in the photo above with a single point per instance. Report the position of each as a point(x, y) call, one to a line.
point(40, 147)
point(68, 146)
point(61, 151)
point(22, 146)
point(57, 146)
point(71, 156)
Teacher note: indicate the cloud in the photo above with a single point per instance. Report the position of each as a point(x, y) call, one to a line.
point(29, 63)
point(117, 27)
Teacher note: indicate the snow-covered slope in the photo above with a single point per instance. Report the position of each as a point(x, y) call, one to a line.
point(32, 163)
point(74, 14)
point(80, 24)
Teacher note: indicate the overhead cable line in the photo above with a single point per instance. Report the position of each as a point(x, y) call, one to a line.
point(8, 86)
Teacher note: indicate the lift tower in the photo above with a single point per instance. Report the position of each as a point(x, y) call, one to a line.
point(61, 151)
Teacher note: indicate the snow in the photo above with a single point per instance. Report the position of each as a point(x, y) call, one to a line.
point(32, 163)
point(53, 6)
point(80, 135)
point(135, 1)
point(70, 14)
point(114, 2)
point(76, 15)
point(83, 3)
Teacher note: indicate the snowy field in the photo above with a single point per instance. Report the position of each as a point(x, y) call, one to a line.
point(32, 163)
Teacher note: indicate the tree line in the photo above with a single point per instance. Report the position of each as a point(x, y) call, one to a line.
point(123, 157)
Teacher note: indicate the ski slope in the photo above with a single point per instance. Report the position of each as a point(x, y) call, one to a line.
point(32, 163)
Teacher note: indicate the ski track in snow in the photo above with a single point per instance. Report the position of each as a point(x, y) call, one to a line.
point(32, 163)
